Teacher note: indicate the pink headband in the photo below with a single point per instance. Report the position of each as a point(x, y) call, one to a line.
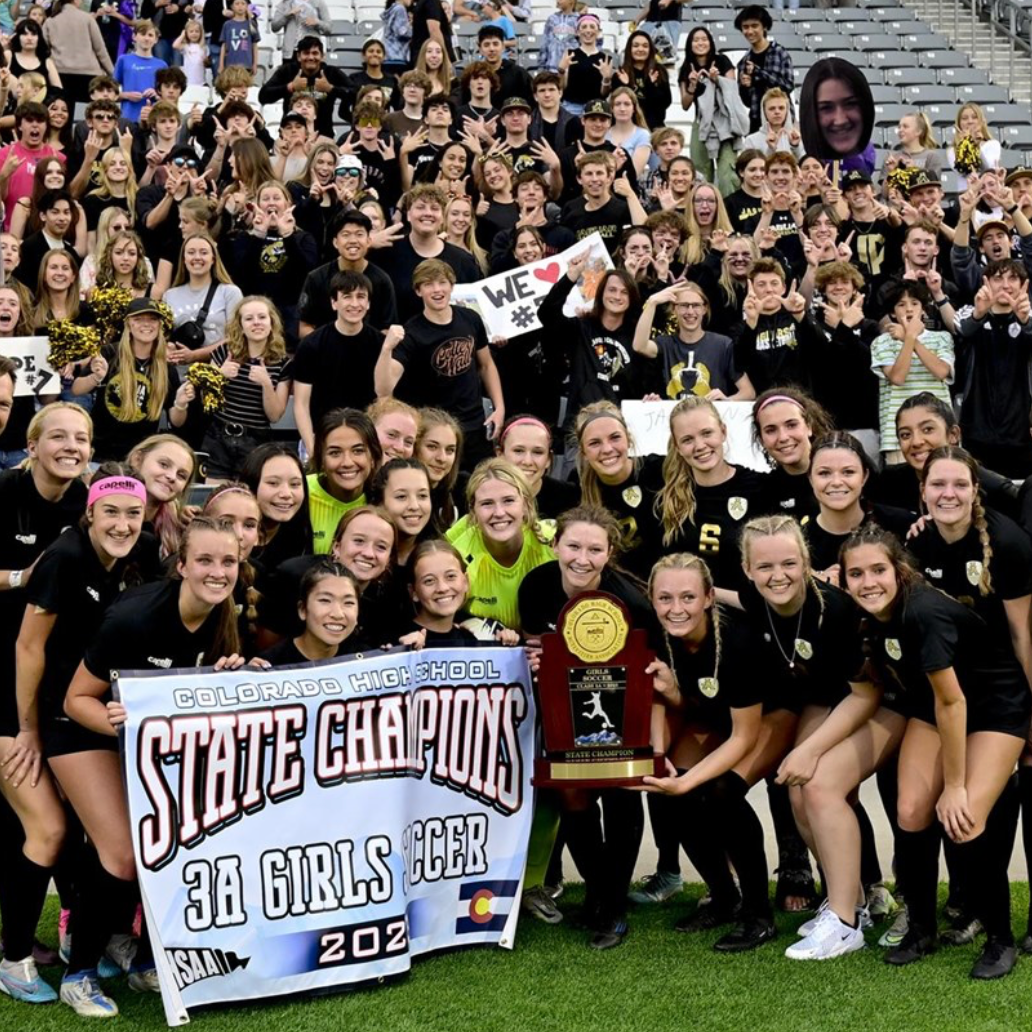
point(525, 421)
point(780, 397)
point(232, 489)
point(116, 485)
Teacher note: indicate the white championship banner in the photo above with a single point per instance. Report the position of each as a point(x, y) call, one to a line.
point(321, 825)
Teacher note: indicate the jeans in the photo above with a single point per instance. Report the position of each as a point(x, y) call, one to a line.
point(12, 459)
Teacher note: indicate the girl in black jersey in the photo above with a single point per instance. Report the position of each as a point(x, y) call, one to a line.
point(233, 503)
point(705, 501)
point(587, 539)
point(439, 448)
point(839, 473)
point(924, 423)
point(36, 505)
point(785, 422)
point(275, 474)
point(712, 717)
point(185, 621)
point(968, 705)
point(328, 606)
point(166, 464)
point(402, 487)
point(627, 487)
point(526, 442)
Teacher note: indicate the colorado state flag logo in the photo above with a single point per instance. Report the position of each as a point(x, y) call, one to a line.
point(484, 906)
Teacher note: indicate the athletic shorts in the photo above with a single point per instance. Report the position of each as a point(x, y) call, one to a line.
point(63, 736)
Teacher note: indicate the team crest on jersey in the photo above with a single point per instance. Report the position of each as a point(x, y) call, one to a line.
point(632, 496)
point(893, 649)
point(709, 686)
point(804, 650)
point(973, 571)
point(737, 506)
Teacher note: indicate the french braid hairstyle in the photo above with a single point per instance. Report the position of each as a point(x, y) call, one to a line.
point(675, 502)
point(953, 453)
point(591, 492)
point(687, 561)
point(770, 526)
point(248, 574)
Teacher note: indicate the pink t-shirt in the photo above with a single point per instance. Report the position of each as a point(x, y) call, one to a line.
point(20, 184)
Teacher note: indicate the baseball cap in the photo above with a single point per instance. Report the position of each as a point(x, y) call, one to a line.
point(515, 104)
point(923, 178)
point(142, 306)
point(1018, 173)
point(991, 224)
point(598, 108)
point(855, 177)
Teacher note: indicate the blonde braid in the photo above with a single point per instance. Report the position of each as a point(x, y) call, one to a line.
point(985, 582)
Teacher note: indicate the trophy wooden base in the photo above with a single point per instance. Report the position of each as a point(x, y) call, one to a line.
point(597, 768)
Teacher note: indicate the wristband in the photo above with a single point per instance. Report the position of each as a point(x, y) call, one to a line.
point(14, 578)
point(943, 303)
point(180, 408)
point(1011, 211)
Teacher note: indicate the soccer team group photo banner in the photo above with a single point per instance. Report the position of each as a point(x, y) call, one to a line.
point(318, 826)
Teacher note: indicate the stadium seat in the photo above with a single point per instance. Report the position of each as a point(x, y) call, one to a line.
point(886, 94)
point(893, 59)
point(821, 42)
point(919, 95)
point(943, 59)
point(902, 28)
point(342, 28)
point(1012, 159)
point(890, 114)
point(981, 94)
point(1015, 136)
point(941, 114)
point(856, 57)
point(960, 76)
point(924, 41)
point(1007, 114)
point(878, 41)
point(910, 76)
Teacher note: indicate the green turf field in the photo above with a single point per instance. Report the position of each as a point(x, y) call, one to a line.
point(658, 981)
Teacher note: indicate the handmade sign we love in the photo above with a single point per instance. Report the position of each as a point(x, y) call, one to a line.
point(508, 302)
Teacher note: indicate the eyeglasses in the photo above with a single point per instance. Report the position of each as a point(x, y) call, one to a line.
point(368, 123)
point(689, 306)
point(352, 173)
point(182, 162)
point(104, 116)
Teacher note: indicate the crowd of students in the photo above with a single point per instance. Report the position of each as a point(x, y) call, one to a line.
point(862, 608)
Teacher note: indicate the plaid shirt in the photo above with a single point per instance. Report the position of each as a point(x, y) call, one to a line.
point(775, 71)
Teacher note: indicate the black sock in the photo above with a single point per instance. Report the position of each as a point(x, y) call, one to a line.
point(918, 861)
point(70, 859)
point(887, 780)
point(704, 848)
point(793, 854)
point(584, 839)
point(101, 904)
point(23, 906)
point(663, 818)
point(742, 835)
point(870, 869)
point(993, 885)
point(1025, 796)
point(624, 825)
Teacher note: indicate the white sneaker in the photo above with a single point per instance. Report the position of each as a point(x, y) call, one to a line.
point(831, 938)
point(145, 980)
point(863, 920)
point(84, 996)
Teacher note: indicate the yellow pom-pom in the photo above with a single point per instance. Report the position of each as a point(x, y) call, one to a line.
point(209, 384)
point(71, 343)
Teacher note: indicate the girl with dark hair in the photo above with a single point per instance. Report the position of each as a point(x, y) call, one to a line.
point(708, 83)
point(347, 454)
point(402, 487)
point(925, 422)
point(598, 346)
point(586, 546)
point(275, 474)
point(185, 621)
point(39, 501)
point(50, 174)
point(837, 114)
point(30, 53)
point(643, 71)
point(59, 122)
point(439, 448)
point(328, 606)
point(785, 423)
point(967, 699)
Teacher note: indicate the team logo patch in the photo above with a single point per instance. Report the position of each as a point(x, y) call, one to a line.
point(632, 496)
point(804, 650)
point(973, 571)
point(709, 686)
point(737, 507)
point(892, 647)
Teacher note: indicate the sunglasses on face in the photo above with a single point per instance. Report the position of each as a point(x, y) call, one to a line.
point(182, 162)
point(368, 123)
point(348, 173)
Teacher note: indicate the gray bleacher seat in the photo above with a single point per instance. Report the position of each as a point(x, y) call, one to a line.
point(1007, 114)
point(1015, 136)
point(349, 60)
point(790, 41)
point(807, 14)
point(823, 41)
point(981, 94)
point(730, 39)
point(1012, 159)
point(367, 28)
point(924, 41)
point(876, 41)
point(856, 57)
point(886, 94)
point(904, 26)
point(888, 13)
point(622, 14)
point(837, 14)
point(858, 27)
point(910, 76)
point(889, 114)
point(893, 59)
point(960, 76)
point(465, 28)
point(943, 59)
point(941, 114)
point(529, 59)
point(928, 95)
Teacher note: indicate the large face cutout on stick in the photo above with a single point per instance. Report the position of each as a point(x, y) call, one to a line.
point(836, 111)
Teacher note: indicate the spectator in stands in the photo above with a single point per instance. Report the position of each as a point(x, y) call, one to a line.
point(102, 118)
point(27, 51)
point(171, 17)
point(297, 18)
point(333, 367)
point(596, 120)
point(77, 48)
point(993, 235)
point(479, 83)
point(778, 132)
point(430, 21)
point(587, 70)
point(920, 250)
point(597, 210)
point(240, 39)
point(917, 146)
point(135, 71)
point(158, 135)
point(18, 160)
point(59, 217)
point(765, 65)
point(667, 144)
point(190, 48)
point(559, 36)
point(415, 88)
point(307, 72)
point(971, 125)
point(708, 84)
point(513, 81)
point(550, 120)
point(433, 62)
point(875, 228)
point(376, 150)
point(661, 21)
point(397, 35)
point(371, 74)
point(642, 70)
point(531, 193)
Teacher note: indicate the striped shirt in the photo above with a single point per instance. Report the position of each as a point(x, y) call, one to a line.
point(243, 396)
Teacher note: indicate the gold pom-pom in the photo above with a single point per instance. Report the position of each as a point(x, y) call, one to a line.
point(71, 343)
point(209, 384)
point(967, 157)
point(166, 315)
point(109, 305)
point(901, 177)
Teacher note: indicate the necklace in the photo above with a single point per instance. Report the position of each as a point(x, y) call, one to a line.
point(789, 659)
